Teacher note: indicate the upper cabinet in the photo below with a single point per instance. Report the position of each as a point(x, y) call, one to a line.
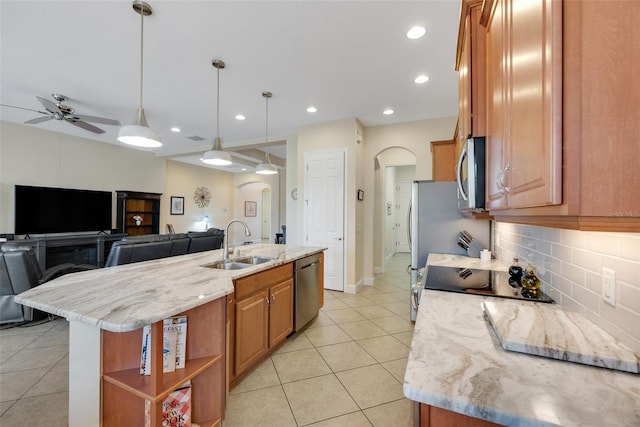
point(562, 113)
point(470, 65)
point(524, 103)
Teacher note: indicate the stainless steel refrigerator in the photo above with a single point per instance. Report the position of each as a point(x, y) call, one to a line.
point(434, 225)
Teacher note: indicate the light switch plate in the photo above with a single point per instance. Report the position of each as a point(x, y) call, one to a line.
point(609, 288)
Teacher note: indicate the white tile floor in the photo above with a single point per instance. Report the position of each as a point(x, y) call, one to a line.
point(345, 369)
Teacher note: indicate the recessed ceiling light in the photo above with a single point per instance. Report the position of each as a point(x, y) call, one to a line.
point(311, 109)
point(175, 129)
point(421, 79)
point(387, 112)
point(416, 32)
point(240, 117)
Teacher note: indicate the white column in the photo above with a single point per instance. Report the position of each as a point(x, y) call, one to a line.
point(84, 375)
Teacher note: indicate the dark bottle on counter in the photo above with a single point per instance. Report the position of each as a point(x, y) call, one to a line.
point(515, 273)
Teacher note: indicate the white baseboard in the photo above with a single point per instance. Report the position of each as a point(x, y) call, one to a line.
point(378, 270)
point(368, 281)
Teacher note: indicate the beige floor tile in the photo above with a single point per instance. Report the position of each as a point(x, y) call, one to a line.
point(354, 419)
point(344, 315)
point(4, 406)
point(51, 410)
point(318, 399)
point(34, 359)
point(394, 324)
point(327, 335)
point(54, 381)
point(299, 365)
point(404, 337)
point(295, 343)
point(397, 368)
point(371, 385)
point(348, 355)
point(265, 407)
point(13, 385)
point(401, 308)
point(389, 297)
point(329, 294)
point(263, 376)
point(369, 291)
point(52, 338)
point(18, 341)
point(362, 329)
point(30, 328)
point(357, 301)
point(4, 355)
point(397, 414)
point(385, 348)
point(320, 320)
point(374, 311)
point(334, 304)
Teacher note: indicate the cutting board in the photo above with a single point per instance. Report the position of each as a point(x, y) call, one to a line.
point(549, 331)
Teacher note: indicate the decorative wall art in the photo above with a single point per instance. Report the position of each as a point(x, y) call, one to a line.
point(177, 205)
point(250, 208)
point(202, 197)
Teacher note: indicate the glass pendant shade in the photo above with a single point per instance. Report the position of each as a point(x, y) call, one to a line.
point(266, 168)
point(140, 134)
point(216, 156)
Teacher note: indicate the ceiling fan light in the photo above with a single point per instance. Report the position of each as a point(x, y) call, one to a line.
point(266, 169)
point(216, 158)
point(140, 134)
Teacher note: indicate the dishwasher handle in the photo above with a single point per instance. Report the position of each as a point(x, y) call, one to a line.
point(309, 265)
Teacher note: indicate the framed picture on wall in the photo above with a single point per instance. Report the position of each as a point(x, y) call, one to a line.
point(250, 208)
point(177, 205)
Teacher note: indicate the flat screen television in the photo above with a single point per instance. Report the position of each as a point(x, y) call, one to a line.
point(40, 210)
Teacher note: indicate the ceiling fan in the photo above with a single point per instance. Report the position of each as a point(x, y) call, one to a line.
point(60, 111)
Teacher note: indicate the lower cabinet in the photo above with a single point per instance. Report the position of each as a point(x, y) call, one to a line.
point(432, 416)
point(261, 317)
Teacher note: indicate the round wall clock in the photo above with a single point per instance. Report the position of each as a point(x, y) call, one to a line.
point(202, 197)
point(294, 194)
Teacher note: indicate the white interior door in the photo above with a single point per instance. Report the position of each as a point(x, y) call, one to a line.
point(324, 211)
point(403, 197)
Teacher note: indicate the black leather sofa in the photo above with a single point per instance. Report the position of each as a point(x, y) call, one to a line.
point(155, 246)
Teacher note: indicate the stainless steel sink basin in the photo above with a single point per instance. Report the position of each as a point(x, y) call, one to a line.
point(239, 263)
point(228, 265)
point(253, 260)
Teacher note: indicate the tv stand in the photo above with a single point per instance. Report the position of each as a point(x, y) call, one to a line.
point(76, 249)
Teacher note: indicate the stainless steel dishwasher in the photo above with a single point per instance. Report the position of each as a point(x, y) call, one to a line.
point(306, 290)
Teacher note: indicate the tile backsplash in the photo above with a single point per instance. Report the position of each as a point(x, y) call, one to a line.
point(569, 264)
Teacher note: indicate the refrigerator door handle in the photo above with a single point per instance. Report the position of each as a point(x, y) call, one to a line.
point(409, 223)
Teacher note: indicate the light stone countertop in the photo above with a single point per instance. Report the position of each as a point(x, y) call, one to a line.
point(127, 297)
point(457, 363)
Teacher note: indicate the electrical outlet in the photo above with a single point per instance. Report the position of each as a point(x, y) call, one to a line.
point(609, 287)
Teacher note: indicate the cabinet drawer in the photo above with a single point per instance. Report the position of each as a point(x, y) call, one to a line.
point(246, 286)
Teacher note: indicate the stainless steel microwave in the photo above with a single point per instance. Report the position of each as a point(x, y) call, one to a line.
point(470, 174)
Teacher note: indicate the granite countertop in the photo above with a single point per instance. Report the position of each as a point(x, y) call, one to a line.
point(127, 297)
point(457, 363)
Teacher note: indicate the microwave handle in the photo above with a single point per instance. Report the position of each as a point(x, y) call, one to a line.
point(459, 172)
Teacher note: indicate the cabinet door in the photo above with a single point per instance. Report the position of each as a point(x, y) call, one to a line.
point(464, 86)
point(280, 312)
point(252, 317)
point(534, 95)
point(496, 111)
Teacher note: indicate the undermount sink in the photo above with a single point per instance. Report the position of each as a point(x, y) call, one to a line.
point(239, 263)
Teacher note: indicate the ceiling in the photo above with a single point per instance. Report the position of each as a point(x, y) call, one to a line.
point(347, 58)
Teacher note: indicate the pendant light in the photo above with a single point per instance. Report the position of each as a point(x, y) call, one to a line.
point(216, 156)
point(140, 134)
point(266, 168)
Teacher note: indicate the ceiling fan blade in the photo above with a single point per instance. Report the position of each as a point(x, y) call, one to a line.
point(94, 119)
point(50, 106)
point(21, 108)
point(38, 120)
point(84, 125)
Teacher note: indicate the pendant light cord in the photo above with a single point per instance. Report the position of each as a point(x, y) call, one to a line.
point(218, 106)
point(266, 130)
point(141, 54)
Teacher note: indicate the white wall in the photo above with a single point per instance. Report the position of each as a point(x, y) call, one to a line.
point(249, 187)
point(415, 137)
point(32, 156)
point(292, 183)
point(182, 179)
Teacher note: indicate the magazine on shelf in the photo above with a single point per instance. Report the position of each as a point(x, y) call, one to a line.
point(176, 408)
point(170, 337)
point(179, 324)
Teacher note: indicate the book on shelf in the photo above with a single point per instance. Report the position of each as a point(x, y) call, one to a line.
point(176, 408)
point(169, 346)
point(179, 324)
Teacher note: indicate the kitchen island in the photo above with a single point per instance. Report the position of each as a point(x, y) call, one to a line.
point(106, 309)
point(457, 368)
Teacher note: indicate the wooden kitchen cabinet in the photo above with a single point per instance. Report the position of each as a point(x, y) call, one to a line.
point(594, 185)
point(443, 160)
point(432, 416)
point(524, 103)
point(470, 65)
point(262, 319)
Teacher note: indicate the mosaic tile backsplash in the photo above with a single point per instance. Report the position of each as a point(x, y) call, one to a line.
point(569, 264)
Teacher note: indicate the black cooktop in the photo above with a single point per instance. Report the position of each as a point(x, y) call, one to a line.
point(479, 282)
